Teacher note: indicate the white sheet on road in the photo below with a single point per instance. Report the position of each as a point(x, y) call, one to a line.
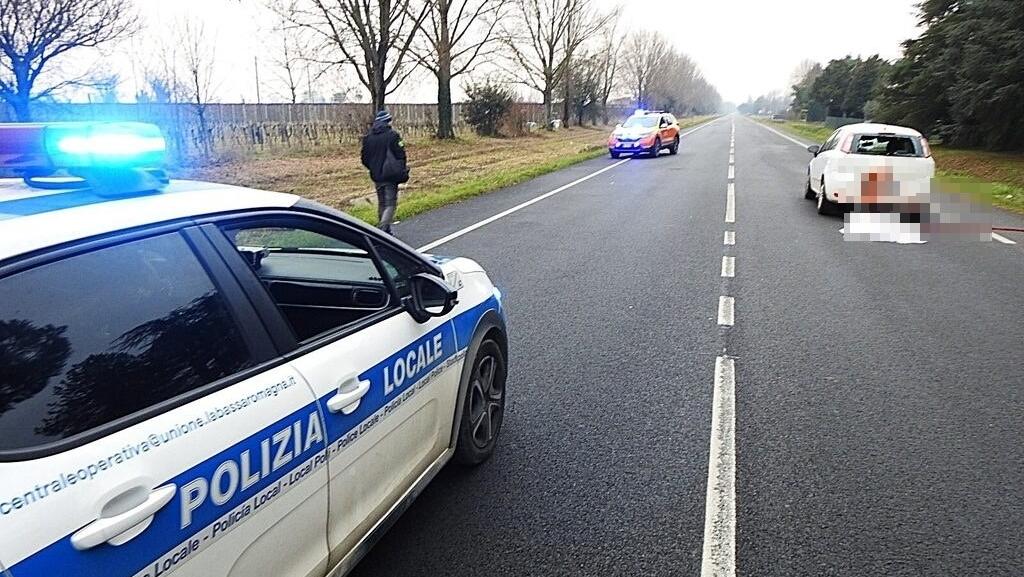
point(880, 228)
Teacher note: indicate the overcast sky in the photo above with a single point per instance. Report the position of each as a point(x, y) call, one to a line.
point(744, 47)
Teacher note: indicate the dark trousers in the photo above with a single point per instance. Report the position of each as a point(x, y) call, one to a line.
point(387, 201)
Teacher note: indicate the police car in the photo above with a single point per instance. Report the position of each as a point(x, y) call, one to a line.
point(205, 380)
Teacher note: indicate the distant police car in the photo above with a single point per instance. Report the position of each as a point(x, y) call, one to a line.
point(206, 380)
point(645, 132)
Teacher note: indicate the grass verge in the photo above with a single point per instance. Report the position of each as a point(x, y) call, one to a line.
point(442, 172)
point(429, 200)
point(989, 177)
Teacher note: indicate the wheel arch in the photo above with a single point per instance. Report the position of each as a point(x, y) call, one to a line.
point(490, 326)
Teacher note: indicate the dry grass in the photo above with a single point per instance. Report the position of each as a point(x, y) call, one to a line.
point(336, 177)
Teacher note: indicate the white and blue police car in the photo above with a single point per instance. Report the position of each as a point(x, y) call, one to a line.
point(206, 380)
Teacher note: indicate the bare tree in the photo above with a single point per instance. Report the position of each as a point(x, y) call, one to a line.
point(647, 52)
point(584, 23)
point(37, 34)
point(196, 74)
point(607, 60)
point(107, 87)
point(374, 37)
point(289, 61)
point(456, 35)
point(542, 36)
point(680, 87)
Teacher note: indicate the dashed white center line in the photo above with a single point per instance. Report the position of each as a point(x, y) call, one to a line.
point(732, 157)
point(732, 172)
point(730, 238)
point(728, 266)
point(730, 204)
point(1002, 239)
point(719, 557)
point(726, 311)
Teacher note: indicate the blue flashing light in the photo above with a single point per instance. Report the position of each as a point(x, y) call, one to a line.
point(105, 144)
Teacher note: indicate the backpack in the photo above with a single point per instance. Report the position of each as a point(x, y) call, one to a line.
point(394, 170)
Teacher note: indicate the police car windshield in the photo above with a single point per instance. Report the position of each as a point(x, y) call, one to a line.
point(291, 240)
point(640, 122)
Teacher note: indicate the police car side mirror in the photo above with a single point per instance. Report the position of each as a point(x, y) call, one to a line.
point(430, 297)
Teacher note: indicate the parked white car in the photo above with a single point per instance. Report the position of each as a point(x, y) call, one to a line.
point(870, 164)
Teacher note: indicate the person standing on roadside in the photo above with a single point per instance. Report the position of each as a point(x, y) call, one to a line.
point(384, 156)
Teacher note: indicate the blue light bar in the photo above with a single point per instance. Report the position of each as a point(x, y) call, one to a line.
point(105, 144)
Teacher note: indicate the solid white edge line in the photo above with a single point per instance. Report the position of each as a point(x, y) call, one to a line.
point(719, 554)
point(789, 138)
point(1002, 239)
point(728, 266)
point(518, 207)
point(726, 311)
point(504, 213)
point(730, 238)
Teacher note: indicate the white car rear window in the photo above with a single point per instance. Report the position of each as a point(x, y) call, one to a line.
point(887, 145)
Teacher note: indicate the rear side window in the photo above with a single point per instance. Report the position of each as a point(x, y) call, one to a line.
point(887, 145)
point(101, 335)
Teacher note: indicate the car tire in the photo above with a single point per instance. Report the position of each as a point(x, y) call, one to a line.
point(613, 154)
point(674, 149)
point(825, 206)
point(809, 193)
point(484, 406)
point(656, 149)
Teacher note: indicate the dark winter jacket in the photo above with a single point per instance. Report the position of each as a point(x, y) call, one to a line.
point(381, 139)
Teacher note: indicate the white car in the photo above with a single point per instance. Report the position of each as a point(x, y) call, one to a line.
point(869, 164)
point(207, 380)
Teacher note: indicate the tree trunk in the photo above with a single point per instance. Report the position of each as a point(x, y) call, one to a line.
point(20, 105)
point(444, 98)
point(549, 107)
point(22, 95)
point(567, 98)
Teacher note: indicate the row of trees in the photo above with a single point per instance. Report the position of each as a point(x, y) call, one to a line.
point(845, 87)
point(961, 81)
point(568, 51)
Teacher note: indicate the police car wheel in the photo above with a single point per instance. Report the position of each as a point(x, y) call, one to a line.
point(613, 153)
point(674, 149)
point(484, 406)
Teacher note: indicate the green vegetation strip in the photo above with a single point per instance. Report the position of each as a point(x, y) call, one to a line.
point(989, 177)
point(430, 199)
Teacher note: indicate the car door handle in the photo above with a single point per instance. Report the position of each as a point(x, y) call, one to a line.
point(350, 391)
point(106, 529)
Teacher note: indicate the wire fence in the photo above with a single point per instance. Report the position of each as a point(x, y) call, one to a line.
point(244, 128)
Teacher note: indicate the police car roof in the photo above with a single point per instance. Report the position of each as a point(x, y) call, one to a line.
point(32, 219)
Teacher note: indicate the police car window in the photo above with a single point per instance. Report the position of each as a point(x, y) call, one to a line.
point(320, 283)
point(101, 335)
point(399, 267)
point(641, 122)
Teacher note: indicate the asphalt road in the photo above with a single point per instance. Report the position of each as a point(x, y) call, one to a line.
point(878, 414)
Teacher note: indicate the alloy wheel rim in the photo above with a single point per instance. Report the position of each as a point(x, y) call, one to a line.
point(486, 402)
